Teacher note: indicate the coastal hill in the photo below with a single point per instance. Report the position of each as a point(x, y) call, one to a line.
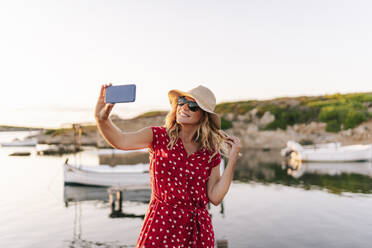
point(266, 124)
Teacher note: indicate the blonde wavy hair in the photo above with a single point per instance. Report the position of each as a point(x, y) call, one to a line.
point(207, 135)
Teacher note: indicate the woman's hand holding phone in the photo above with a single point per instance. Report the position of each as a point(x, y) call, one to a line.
point(103, 109)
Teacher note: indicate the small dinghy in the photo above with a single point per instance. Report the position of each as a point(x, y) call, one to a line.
point(106, 175)
point(25, 142)
point(329, 152)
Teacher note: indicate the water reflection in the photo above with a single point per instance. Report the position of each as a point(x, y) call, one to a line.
point(78, 194)
point(331, 169)
point(84, 193)
point(117, 196)
point(268, 167)
point(75, 196)
point(78, 241)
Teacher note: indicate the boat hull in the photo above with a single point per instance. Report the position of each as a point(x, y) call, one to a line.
point(329, 152)
point(342, 154)
point(29, 142)
point(106, 177)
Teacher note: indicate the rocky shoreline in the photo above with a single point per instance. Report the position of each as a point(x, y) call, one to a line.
point(248, 127)
point(14, 128)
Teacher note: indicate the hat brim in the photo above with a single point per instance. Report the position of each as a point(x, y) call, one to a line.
point(173, 95)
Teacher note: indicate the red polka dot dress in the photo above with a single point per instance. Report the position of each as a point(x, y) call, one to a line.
point(177, 215)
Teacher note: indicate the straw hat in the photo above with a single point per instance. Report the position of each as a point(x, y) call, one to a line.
point(203, 96)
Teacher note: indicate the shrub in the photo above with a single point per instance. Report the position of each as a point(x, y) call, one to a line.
point(49, 131)
point(354, 118)
point(225, 124)
point(241, 107)
point(333, 126)
point(350, 115)
point(289, 116)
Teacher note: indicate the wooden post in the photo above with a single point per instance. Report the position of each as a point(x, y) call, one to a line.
point(74, 131)
point(112, 202)
point(80, 133)
point(119, 196)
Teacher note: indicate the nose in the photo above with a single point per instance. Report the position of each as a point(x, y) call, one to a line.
point(185, 107)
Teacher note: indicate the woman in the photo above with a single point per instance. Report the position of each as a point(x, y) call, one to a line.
point(184, 170)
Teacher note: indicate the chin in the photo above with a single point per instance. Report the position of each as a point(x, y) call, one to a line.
point(180, 121)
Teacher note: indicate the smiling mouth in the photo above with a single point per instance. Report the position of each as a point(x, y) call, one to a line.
point(183, 114)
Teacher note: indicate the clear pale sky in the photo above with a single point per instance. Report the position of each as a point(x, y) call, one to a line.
point(54, 55)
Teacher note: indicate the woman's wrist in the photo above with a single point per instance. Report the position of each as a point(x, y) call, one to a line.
point(234, 155)
point(100, 120)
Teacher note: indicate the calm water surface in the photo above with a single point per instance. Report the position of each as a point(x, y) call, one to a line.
point(265, 207)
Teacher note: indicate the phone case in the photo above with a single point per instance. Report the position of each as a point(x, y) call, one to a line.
point(121, 93)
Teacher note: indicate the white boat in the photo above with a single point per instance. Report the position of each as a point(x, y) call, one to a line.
point(107, 176)
point(117, 151)
point(130, 176)
point(329, 152)
point(333, 168)
point(25, 142)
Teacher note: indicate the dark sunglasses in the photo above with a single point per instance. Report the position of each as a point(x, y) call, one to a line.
point(193, 106)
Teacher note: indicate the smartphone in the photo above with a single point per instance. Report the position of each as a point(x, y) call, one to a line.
point(121, 93)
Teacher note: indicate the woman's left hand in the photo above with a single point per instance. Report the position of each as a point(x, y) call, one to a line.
point(234, 146)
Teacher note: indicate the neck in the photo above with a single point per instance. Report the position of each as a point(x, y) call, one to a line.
point(187, 132)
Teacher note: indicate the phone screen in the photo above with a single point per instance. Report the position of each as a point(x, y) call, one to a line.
point(121, 93)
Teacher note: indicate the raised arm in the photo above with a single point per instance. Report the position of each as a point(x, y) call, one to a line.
point(112, 134)
point(218, 185)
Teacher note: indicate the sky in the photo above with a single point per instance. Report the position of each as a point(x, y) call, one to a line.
point(55, 55)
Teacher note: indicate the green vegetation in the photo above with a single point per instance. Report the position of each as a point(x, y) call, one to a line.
point(59, 131)
point(225, 124)
point(240, 107)
point(151, 114)
point(339, 112)
point(346, 114)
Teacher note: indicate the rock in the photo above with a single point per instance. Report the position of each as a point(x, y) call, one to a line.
point(360, 130)
point(266, 119)
point(347, 132)
point(242, 118)
point(253, 112)
point(291, 130)
point(230, 116)
point(313, 127)
point(252, 128)
point(238, 125)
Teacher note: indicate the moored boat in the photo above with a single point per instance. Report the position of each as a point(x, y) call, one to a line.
point(25, 142)
point(329, 152)
point(106, 175)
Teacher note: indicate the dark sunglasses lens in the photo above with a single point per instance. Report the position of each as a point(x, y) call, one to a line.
point(193, 106)
point(181, 100)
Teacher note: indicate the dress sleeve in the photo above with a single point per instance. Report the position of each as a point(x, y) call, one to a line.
point(157, 135)
point(216, 160)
